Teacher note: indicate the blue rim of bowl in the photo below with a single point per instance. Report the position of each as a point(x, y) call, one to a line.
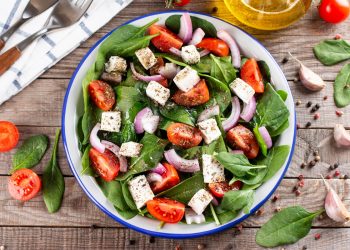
point(122, 221)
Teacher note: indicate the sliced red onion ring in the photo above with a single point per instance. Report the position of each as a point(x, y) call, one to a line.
point(150, 123)
point(209, 112)
point(198, 36)
point(146, 112)
point(249, 110)
point(204, 53)
point(215, 202)
point(154, 177)
point(192, 217)
point(159, 169)
point(236, 152)
point(185, 28)
point(95, 141)
point(234, 117)
point(266, 136)
point(175, 51)
point(169, 71)
point(181, 164)
point(235, 53)
point(115, 150)
point(140, 77)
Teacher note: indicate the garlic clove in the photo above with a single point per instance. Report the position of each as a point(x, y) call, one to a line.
point(341, 136)
point(310, 79)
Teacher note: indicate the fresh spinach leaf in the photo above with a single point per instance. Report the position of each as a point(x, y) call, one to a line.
point(283, 94)
point(53, 181)
point(177, 113)
point(85, 163)
point(126, 214)
point(280, 130)
point(330, 52)
point(225, 216)
point(265, 71)
point(260, 139)
point(236, 200)
point(30, 152)
point(222, 69)
point(127, 195)
point(113, 192)
point(204, 66)
point(128, 97)
point(286, 227)
point(342, 87)
point(253, 178)
point(190, 153)
point(216, 146)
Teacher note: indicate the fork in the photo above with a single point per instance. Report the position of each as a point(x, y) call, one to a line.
point(64, 14)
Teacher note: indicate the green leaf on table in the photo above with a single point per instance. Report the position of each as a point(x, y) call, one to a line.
point(222, 69)
point(177, 113)
point(235, 200)
point(330, 52)
point(342, 87)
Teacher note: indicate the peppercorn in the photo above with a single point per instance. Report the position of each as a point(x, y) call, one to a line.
point(301, 183)
point(277, 209)
point(317, 236)
point(132, 242)
point(317, 106)
point(317, 158)
point(275, 197)
point(325, 98)
point(317, 116)
point(301, 177)
point(337, 173)
point(339, 113)
point(312, 164)
point(315, 153)
point(308, 124)
point(295, 79)
point(259, 212)
point(298, 102)
point(346, 177)
point(297, 193)
point(313, 110)
point(152, 239)
point(308, 104)
point(201, 246)
point(338, 36)
point(304, 247)
point(336, 165)
point(214, 10)
point(328, 177)
point(331, 168)
point(285, 60)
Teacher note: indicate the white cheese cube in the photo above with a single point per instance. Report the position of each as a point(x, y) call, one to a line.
point(213, 171)
point(242, 89)
point(130, 149)
point(190, 54)
point(192, 217)
point(111, 121)
point(210, 130)
point(146, 57)
point(116, 64)
point(140, 191)
point(186, 79)
point(200, 201)
point(157, 92)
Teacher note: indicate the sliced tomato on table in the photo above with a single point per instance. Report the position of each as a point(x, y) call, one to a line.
point(106, 164)
point(102, 94)
point(218, 189)
point(251, 74)
point(216, 46)
point(170, 178)
point(198, 95)
point(184, 135)
point(243, 139)
point(166, 38)
point(24, 184)
point(9, 136)
point(166, 210)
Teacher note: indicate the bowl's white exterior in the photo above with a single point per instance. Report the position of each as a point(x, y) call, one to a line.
point(73, 107)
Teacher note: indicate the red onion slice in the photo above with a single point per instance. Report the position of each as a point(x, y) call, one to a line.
point(266, 136)
point(169, 71)
point(154, 177)
point(181, 164)
point(209, 112)
point(198, 36)
point(234, 117)
point(159, 169)
point(236, 152)
point(150, 123)
point(235, 53)
point(204, 52)
point(185, 28)
point(215, 202)
point(146, 112)
point(95, 141)
point(115, 150)
point(249, 110)
point(140, 77)
point(192, 217)
point(175, 51)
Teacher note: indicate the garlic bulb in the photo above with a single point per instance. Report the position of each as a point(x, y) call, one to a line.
point(341, 136)
point(335, 208)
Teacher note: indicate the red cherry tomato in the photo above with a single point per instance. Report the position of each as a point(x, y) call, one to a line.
point(170, 179)
point(334, 11)
point(215, 46)
point(166, 39)
point(9, 136)
point(198, 95)
point(218, 189)
point(167, 210)
point(250, 73)
point(102, 94)
point(106, 164)
point(24, 184)
point(184, 135)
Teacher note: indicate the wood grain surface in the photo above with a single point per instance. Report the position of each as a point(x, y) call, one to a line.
point(81, 225)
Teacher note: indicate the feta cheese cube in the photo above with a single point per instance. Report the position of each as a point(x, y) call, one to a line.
point(157, 92)
point(146, 57)
point(192, 217)
point(200, 201)
point(140, 191)
point(116, 64)
point(190, 54)
point(130, 149)
point(186, 79)
point(209, 129)
point(213, 171)
point(242, 89)
point(111, 121)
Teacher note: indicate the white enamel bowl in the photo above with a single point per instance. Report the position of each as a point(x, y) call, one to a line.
point(73, 107)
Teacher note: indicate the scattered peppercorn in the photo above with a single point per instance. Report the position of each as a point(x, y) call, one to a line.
point(302, 165)
point(301, 183)
point(328, 177)
point(152, 239)
point(325, 98)
point(336, 173)
point(338, 36)
point(201, 246)
point(339, 113)
point(315, 153)
point(275, 197)
point(298, 102)
point(295, 188)
point(285, 60)
point(297, 193)
point(341, 176)
point(260, 212)
point(239, 227)
point(317, 106)
point(346, 177)
point(301, 177)
point(317, 158)
point(308, 104)
point(277, 209)
point(316, 116)
point(214, 10)
point(308, 124)
point(93, 226)
point(317, 236)
point(295, 79)
point(304, 247)
point(178, 247)
point(312, 164)
point(132, 242)
point(228, 247)
point(336, 165)
point(331, 168)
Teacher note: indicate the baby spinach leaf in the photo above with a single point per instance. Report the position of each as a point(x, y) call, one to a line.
point(236, 200)
point(286, 227)
point(342, 87)
point(184, 191)
point(216, 146)
point(265, 71)
point(113, 192)
point(260, 140)
point(176, 113)
point(53, 181)
point(126, 214)
point(127, 98)
point(204, 66)
point(173, 23)
point(253, 178)
point(283, 94)
point(190, 153)
point(222, 69)
point(30, 152)
point(280, 130)
point(330, 52)
point(85, 163)
point(225, 216)
point(127, 195)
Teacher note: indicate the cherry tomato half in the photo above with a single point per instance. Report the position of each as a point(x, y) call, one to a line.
point(242, 138)
point(198, 95)
point(216, 46)
point(250, 73)
point(167, 210)
point(102, 94)
point(166, 39)
point(9, 136)
point(106, 164)
point(334, 11)
point(218, 189)
point(184, 135)
point(170, 179)
point(24, 184)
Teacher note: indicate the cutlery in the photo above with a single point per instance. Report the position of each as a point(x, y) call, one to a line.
point(33, 8)
point(64, 14)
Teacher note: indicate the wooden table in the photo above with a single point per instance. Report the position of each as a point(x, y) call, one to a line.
point(80, 224)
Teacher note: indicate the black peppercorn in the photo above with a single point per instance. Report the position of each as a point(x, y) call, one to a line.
point(308, 104)
point(308, 124)
point(285, 60)
point(132, 242)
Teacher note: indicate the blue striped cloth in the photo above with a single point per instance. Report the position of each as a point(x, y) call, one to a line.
point(49, 49)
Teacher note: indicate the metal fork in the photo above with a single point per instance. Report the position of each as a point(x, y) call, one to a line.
point(64, 14)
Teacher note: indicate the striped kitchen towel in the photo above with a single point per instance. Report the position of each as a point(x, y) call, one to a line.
point(50, 48)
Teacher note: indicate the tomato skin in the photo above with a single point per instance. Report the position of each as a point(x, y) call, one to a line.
point(102, 94)
point(166, 38)
point(184, 135)
point(198, 95)
point(170, 179)
point(250, 73)
point(105, 164)
point(24, 184)
point(334, 11)
point(218, 189)
point(216, 46)
point(242, 138)
point(181, 3)
point(155, 69)
point(9, 136)
point(167, 210)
